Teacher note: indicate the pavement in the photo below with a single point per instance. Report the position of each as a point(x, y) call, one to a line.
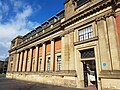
point(12, 84)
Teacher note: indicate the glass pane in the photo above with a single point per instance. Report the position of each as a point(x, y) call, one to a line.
point(87, 53)
point(85, 33)
point(58, 62)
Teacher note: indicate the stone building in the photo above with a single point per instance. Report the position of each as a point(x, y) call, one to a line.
point(78, 47)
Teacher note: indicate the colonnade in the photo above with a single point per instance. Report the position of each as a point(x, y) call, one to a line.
point(35, 59)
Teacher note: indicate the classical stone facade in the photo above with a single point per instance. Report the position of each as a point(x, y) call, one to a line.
point(78, 47)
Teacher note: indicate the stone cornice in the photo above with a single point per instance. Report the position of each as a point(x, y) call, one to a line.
point(57, 73)
point(86, 41)
point(105, 16)
point(110, 74)
point(87, 12)
point(46, 33)
point(39, 37)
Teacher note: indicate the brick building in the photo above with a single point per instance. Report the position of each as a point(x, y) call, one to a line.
point(5, 64)
point(1, 67)
point(78, 47)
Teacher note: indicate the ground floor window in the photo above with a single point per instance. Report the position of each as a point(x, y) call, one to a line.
point(40, 64)
point(58, 63)
point(48, 64)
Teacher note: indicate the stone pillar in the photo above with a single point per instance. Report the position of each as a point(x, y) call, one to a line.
point(71, 51)
point(65, 52)
point(62, 53)
point(29, 67)
point(20, 64)
point(43, 57)
point(114, 48)
point(52, 54)
point(97, 58)
point(36, 59)
point(79, 69)
point(16, 66)
point(103, 41)
point(24, 61)
point(8, 67)
point(14, 61)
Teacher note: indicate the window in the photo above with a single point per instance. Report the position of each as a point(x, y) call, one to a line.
point(81, 2)
point(89, 53)
point(85, 33)
point(40, 64)
point(48, 64)
point(11, 67)
point(58, 63)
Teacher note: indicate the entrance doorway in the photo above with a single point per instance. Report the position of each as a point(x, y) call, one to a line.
point(89, 70)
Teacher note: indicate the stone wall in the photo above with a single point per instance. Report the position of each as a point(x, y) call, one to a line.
point(110, 84)
point(67, 81)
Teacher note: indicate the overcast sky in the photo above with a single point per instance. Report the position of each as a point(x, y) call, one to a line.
point(18, 17)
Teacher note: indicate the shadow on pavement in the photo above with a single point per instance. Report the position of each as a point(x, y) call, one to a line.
point(12, 84)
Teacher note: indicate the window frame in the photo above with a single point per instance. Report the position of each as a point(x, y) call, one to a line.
point(40, 64)
point(87, 51)
point(48, 63)
point(86, 33)
point(59, 63)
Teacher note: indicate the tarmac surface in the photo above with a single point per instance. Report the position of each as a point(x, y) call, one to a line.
point(12, 84)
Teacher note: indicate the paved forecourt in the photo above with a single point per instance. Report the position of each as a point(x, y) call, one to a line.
point(11, 84)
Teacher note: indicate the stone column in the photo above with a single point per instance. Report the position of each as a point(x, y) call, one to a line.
point(36, 59)
point(71, 51)
point(20, 64)
point(29, 67)
point(14, 62)
point(114, 48)
point(65, 52)
point(8, 67)
point(24, 61)
point(79, 69)
point(16, 66)
point(43, 57)
point(52, 54)
point(103, 41)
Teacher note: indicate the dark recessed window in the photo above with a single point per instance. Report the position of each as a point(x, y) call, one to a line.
point(60, 15)
point(81, 2)
point(48, 64)
point(89, 53)
point(40, 64)
point(58, 63)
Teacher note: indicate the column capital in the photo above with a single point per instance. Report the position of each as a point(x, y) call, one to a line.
point(37, 45)
point(43, 42)
point(62, 35)
point(52, 39)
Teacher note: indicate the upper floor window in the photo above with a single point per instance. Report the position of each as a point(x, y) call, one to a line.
point(81, 2)
point(58, 63)
point(85, 33)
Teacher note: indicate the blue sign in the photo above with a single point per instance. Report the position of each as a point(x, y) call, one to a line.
point(104, 64)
